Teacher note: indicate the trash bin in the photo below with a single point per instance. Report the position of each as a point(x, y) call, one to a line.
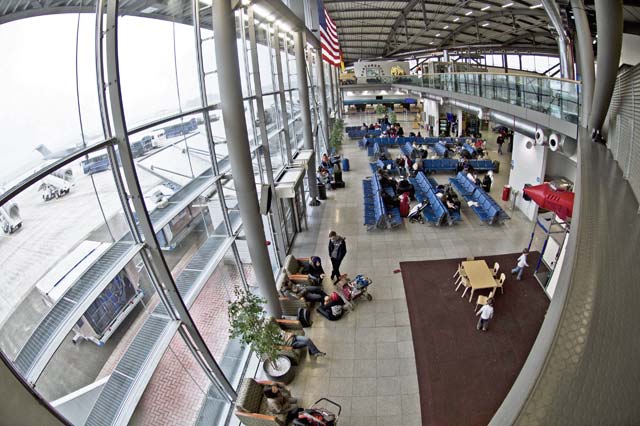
point(345, 164)
point(506, 190)
point(322, 191)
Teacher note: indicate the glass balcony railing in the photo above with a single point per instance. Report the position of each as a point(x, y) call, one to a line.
point(555, 97)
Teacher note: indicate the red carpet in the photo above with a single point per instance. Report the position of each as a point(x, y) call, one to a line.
point(465, 374)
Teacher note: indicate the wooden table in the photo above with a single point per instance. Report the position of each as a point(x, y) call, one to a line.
point(479, 274)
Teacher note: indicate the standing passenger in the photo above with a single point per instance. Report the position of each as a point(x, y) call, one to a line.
point(337, 252)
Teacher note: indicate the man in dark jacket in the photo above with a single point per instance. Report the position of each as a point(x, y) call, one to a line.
point(337, 252)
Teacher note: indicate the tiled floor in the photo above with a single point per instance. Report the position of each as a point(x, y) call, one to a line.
point(370, 364)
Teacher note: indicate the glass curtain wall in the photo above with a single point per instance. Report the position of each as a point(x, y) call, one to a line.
point(121, 181)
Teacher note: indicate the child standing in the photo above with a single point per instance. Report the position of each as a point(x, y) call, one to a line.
point(485, 313)
point(522, 262)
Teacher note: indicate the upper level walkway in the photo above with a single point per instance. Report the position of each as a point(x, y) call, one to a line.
point(549, 102)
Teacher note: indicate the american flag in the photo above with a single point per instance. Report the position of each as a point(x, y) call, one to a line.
point(328, 37)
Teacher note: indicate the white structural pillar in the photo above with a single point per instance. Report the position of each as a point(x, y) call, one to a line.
point(459, 130)
point(321, 95)
point(528, 165)
point(305, 107)
point(239, 154)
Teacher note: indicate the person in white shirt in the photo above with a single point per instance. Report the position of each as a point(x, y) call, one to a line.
point(485, 313)
point(522, 262)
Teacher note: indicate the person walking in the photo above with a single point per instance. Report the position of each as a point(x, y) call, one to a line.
point(485, 313)
point(337, 252)
point(500, 142)
point(522, 262)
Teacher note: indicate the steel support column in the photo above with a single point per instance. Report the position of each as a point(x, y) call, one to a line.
point(283, 102)
point(564, 43)
point(322, 98)
point(266, 149)
point(609, 20)
point(156, 264)
point(585, 59)
point(305, 107)
point(333, 91)
point(239, 153)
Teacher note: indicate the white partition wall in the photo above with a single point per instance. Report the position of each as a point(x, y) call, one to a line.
point(527, 167)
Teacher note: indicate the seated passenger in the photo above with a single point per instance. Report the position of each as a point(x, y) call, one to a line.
point(389, 201)
point(308, 293)
point(405, 186)
point(279, 400)
point(486, 183)
point(315, 270)
point(332, 308)
point(364, 127)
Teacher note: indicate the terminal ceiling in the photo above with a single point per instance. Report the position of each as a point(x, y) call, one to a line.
point(379, 28)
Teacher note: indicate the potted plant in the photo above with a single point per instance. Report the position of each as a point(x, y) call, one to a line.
point(336, 134)
point(249, 323)
point(380, 109)
point(393, 118)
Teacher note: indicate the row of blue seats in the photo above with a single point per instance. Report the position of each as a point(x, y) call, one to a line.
point(392, 216)
point(451, 164)
point(373, 208)
point(435, 212)
point(355, 134)
point(383, 164)
point(407, 149)
point(471, 150)
point(440, 149)
point(484, 206)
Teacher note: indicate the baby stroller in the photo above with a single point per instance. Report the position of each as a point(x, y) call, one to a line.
point(415, 214)
point(317, 415)
point(356, 288)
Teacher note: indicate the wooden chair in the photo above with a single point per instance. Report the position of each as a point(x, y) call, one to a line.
point(482, 300)
point(459, 273)
point(464, 281)
point(500, 282)
point(496, 268)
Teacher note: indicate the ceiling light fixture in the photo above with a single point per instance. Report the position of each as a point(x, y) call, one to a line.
point(507, 5)
point(438, 35)
point(446, 26)
point(535, 6)
point(261, 11)
point(468, 13)
point(485, 8)
point(456, 20)
point(594, 42)
point(486, 24)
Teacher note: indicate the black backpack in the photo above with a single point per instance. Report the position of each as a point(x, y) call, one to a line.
point(304, 316)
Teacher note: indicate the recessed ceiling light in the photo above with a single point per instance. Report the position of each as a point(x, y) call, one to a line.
point(438, 35)
point(485, 8)
point(456, 20)
point(535, 6)
point(486, 24)
point(432, 42)
point(446, 26)
point(468, 13)
point(508, 4)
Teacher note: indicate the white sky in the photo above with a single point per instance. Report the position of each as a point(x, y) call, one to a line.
point(38, 104)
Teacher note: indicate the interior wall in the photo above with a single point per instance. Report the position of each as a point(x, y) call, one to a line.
point(431, 109)
point(630, 54)
point(560, 165)
point(527, 166)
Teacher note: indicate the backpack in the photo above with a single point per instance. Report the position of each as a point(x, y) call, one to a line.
point(304, 316)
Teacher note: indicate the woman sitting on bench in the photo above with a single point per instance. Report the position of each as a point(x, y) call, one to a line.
point(315, 271)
